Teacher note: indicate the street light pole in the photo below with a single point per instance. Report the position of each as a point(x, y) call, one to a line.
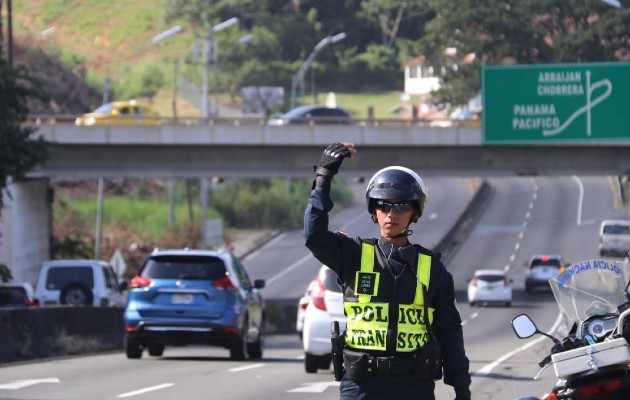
point(215, 58)
point(210, 45)
point(299, 76)
point(155, 40)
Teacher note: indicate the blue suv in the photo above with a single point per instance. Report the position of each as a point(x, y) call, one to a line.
point(182, 297)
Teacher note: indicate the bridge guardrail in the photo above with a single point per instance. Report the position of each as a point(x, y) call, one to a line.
point(52, 119)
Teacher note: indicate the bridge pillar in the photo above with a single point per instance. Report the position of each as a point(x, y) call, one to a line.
point(26, 223)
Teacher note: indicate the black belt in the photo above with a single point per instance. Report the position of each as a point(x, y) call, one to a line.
point(394, 365)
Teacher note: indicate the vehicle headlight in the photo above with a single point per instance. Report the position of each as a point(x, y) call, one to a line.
point(90, 121)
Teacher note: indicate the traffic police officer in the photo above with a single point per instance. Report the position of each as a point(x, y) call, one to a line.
point(399, 299)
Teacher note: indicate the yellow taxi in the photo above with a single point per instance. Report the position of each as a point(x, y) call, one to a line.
point(120, 113)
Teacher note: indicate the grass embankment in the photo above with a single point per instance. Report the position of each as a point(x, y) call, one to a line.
point(136, 212)
point(114, 40)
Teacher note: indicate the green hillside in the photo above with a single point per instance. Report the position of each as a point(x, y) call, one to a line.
point(114, 40)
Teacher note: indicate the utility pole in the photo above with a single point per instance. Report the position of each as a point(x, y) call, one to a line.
point(1, 41)
point(99, 221)
point(9, 34)
point(174, 103)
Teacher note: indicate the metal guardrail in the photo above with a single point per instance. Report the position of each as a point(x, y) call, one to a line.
point(52, 119)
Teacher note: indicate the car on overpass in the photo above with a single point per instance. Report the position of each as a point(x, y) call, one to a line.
point(312, 114)
point(129, 112)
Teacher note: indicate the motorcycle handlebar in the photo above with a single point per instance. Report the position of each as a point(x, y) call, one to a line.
point(544, 361)
point(557, 348)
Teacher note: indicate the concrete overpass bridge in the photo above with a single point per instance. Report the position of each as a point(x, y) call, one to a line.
point(251, 148)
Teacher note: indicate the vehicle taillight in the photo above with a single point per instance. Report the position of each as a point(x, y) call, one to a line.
point(473, 282)
point(140, 282)
point(506, 283)
point(31, 303)
point(224, 283)
point(130, 327)
point(599, 389)
point(317, 295)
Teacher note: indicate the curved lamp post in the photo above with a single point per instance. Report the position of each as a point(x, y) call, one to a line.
point(211, 43)
point(299, 76)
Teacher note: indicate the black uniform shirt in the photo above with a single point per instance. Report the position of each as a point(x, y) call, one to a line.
point(343, 255)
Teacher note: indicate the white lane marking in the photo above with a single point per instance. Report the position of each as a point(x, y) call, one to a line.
point(238, 369)
point(27, 382)
point(289, 268)
point(306, 257)
point(313, 387)
point(580, 199)
point(433, 216)
point(271, 243)
point(145, 390)
point(487, 369)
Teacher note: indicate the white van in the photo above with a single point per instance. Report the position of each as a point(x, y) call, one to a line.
point(614, 237)
point(79, 282)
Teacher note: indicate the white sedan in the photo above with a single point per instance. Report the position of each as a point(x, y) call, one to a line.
point(489, 286)
point(325, 306)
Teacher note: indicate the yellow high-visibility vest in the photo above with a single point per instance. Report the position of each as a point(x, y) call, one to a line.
point(367, 322)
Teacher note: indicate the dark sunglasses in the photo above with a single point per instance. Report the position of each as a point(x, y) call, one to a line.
point(399, 207)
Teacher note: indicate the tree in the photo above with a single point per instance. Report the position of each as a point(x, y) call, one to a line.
point(388, 15)
point(19, 153)
point(519, 32)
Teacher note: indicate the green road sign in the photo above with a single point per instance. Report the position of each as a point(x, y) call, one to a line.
point(547, 103)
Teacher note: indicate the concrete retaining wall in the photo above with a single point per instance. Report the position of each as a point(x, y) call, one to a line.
point(52, 331)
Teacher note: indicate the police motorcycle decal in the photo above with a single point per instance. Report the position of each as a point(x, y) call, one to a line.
point(367, 322)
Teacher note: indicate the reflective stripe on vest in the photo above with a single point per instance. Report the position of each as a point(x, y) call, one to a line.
point(367, 322)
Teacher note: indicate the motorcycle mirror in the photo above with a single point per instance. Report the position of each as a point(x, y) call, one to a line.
point(523, 326)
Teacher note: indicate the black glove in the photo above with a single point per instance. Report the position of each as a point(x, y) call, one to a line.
point(462, 394)
point(331, 160)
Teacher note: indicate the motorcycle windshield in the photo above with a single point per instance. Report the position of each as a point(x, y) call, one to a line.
point(589, 288)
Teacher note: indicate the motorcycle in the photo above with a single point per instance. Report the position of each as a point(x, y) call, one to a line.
point(592, 362)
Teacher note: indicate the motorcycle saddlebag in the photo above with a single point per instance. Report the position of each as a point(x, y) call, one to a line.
point(587, 358)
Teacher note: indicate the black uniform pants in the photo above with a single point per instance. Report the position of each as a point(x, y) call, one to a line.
point(390, 387)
